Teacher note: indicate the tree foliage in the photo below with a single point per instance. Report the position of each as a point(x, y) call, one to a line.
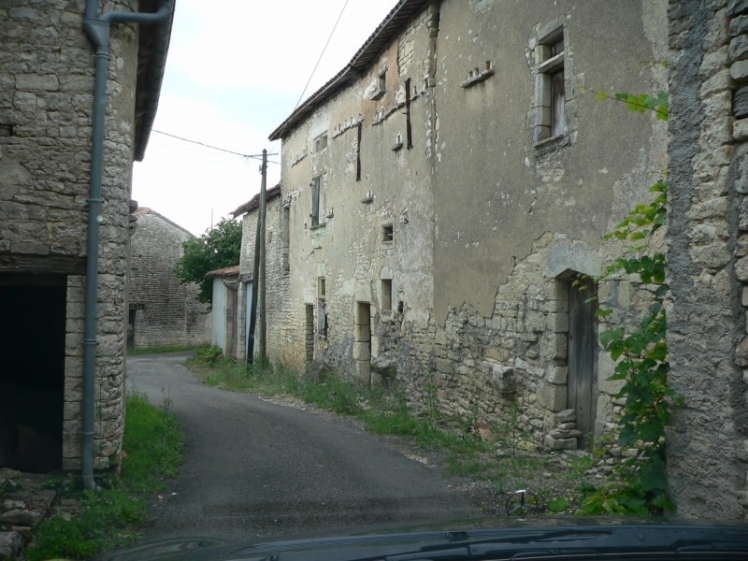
point(215, 249)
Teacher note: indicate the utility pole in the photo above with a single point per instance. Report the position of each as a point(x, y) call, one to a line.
point(262, 273)
point(258, 276)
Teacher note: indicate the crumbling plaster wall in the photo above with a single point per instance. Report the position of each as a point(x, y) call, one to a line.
point(707, 264)
point(486, 225)
point(349, 249)
point(167, 312)
point(47, 98)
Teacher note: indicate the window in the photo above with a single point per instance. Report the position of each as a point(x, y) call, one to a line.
point(386, 295)
point(550, 95)
point(320, 143)
point(315, 189)
point(388, 233)
point(286, 237)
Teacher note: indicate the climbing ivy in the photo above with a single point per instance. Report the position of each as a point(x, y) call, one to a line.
point(638, 484)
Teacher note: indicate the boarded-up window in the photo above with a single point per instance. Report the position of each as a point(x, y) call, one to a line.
point(550, 95)
point(315, 201)
point(558, 101)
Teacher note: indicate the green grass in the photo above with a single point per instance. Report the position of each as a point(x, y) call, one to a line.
point(161, 349)
point(114, 516)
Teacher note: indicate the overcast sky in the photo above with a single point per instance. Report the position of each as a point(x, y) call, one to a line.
point(235, 71)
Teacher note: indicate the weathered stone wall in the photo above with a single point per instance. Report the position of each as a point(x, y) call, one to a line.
point(707, 263)
point(448, 265)
point(167, 312)
point(46, 97)
point(279, 309)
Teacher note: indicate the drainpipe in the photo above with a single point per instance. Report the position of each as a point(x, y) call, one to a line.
point(97, 27)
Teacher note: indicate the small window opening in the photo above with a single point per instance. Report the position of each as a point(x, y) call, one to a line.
point(382, 80)
point(400, 307)
point(320, 143)
point(388, 233)
point(386, 295)
point(358, 154)
point(315, 201)
point(286, 238)
point(321, 287)
point(321, 308)
point(6, 130)
point(408, 128)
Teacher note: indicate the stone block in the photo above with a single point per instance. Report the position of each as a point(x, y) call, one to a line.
point(714, 62)
point(721, 81)
point(738, 7)
point(552, 397)
point(739, 48)
point(11, 544)
point(560, 443)
point(740, 103)
point(553, 346)
point(713, 256)
point(710, 209)
point(36, 82)
point(559, 322)
point(741, 269)
point(738, 26)
point(557, 374)
point(566, 416)
point(740, 129)
point(739, 70)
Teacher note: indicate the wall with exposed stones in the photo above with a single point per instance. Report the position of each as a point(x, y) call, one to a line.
point(707, 258)
point(276, 259)
point(441, 241)
point(165, 311)
point(46, 97)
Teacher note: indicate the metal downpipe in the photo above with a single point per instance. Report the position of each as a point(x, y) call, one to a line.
point(97, 28)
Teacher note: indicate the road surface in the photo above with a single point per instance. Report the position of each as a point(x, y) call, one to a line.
point(254, 469)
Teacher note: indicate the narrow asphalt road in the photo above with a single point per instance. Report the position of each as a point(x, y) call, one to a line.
point(254, 469)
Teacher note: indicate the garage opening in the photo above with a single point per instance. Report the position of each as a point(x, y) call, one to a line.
point(32, 371)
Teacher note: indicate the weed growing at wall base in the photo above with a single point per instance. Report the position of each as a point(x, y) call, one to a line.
point(113, 517)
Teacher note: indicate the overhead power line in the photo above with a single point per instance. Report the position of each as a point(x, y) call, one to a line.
point(255, 156)
point(321, 54)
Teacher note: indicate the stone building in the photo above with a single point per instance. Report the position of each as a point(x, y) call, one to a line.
point(443, 193)
point(708, 257)
point(162, 310)
point(276, 248)
point(225, 311)
point(79, 91)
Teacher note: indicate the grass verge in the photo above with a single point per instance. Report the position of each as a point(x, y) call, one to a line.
point(113, 517)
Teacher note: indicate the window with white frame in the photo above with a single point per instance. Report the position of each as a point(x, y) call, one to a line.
point(550, 89)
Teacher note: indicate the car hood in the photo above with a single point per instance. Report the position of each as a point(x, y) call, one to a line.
point(548, 538)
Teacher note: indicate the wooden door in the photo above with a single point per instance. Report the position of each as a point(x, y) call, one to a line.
point(582, 355)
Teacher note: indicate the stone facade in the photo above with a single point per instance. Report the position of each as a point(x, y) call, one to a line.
point(445, 192)
point(46, 104)
point(163, 311)
point(276, 264)
point(708, 257)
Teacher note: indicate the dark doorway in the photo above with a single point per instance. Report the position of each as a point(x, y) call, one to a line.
point(582, 357)
point(32, 371)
